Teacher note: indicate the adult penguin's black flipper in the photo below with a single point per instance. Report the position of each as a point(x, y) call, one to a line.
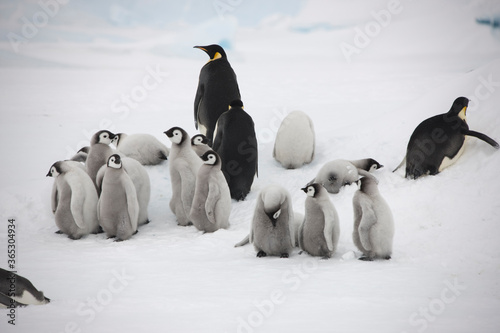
point(483, 137)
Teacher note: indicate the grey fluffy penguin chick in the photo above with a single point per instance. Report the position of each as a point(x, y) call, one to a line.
point(99, 153)
point(142, 147)
point(373, 230)
point(295, 141)
point(272, 224)
point(142, 184)
point(74, 200)
point(184, 165)
point(338, 173)
point(118, 208)
point(199, 143)
point(320, 231)
point(212, 200)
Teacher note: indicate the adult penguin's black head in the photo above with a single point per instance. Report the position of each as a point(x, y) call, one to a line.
point(236, 104)
point(214, 51)
point(459, 107)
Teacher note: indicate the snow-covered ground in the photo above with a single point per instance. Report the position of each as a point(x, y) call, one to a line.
point(366, 72)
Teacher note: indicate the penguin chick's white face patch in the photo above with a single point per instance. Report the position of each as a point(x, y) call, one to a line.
point(311, 191)
point(211, 159)
point(198, 141)
point(113, 164)
point(373, 168)
point(277, 214)
point(53, 172)
point(176, 137)
point(104, 138)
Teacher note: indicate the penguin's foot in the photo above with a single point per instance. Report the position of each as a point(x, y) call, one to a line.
point(147, 221)
point(261, 254)
point(118, 240)
point(109, 237)
point(136, 232)
point(387, 257)
point(301, 252)
point(284, 255)
point(98, 231)
point(326, 257)
point(59, 232)
point(365, 258)
point(185, 225)
point(73, 237)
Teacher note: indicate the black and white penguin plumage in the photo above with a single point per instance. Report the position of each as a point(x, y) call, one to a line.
point(438, 142)
point(199, 143)
point(142, 147)
point(74, 200)
point(217, 87)
point(236, 143)
point(373, 230)
point(118, 207)
point(272, 230)
point(319, 232)
point(99, 152)
point(184, 165)
point(16, 290)
point(295, 141)
point(212, 201)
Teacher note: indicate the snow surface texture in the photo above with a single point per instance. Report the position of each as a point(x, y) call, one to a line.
point(70, 79)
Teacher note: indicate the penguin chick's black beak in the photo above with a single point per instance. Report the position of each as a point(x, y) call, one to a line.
point(304, 189)
point(48, 174)
point(273, 220)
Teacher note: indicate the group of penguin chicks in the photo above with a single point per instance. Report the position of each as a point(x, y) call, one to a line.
point(112, 190)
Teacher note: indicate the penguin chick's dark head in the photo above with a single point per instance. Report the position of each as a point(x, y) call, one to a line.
point(117, 138)
point(210, 158)
point(312, 189)
point(104, 137)
point(176, 135)
point(115, 161)
point(459, 105)
point(236, 104)
point(214, 51)
point(373, 165)
point(198, 140)
point(55, 169)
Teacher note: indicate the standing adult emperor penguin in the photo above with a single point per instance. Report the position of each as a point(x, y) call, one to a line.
point(438, 142)
point(217, 87)
point(236, 144)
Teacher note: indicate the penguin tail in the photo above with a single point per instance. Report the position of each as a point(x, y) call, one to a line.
point(400, 164)
point(483, 137)
point(244, 241)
